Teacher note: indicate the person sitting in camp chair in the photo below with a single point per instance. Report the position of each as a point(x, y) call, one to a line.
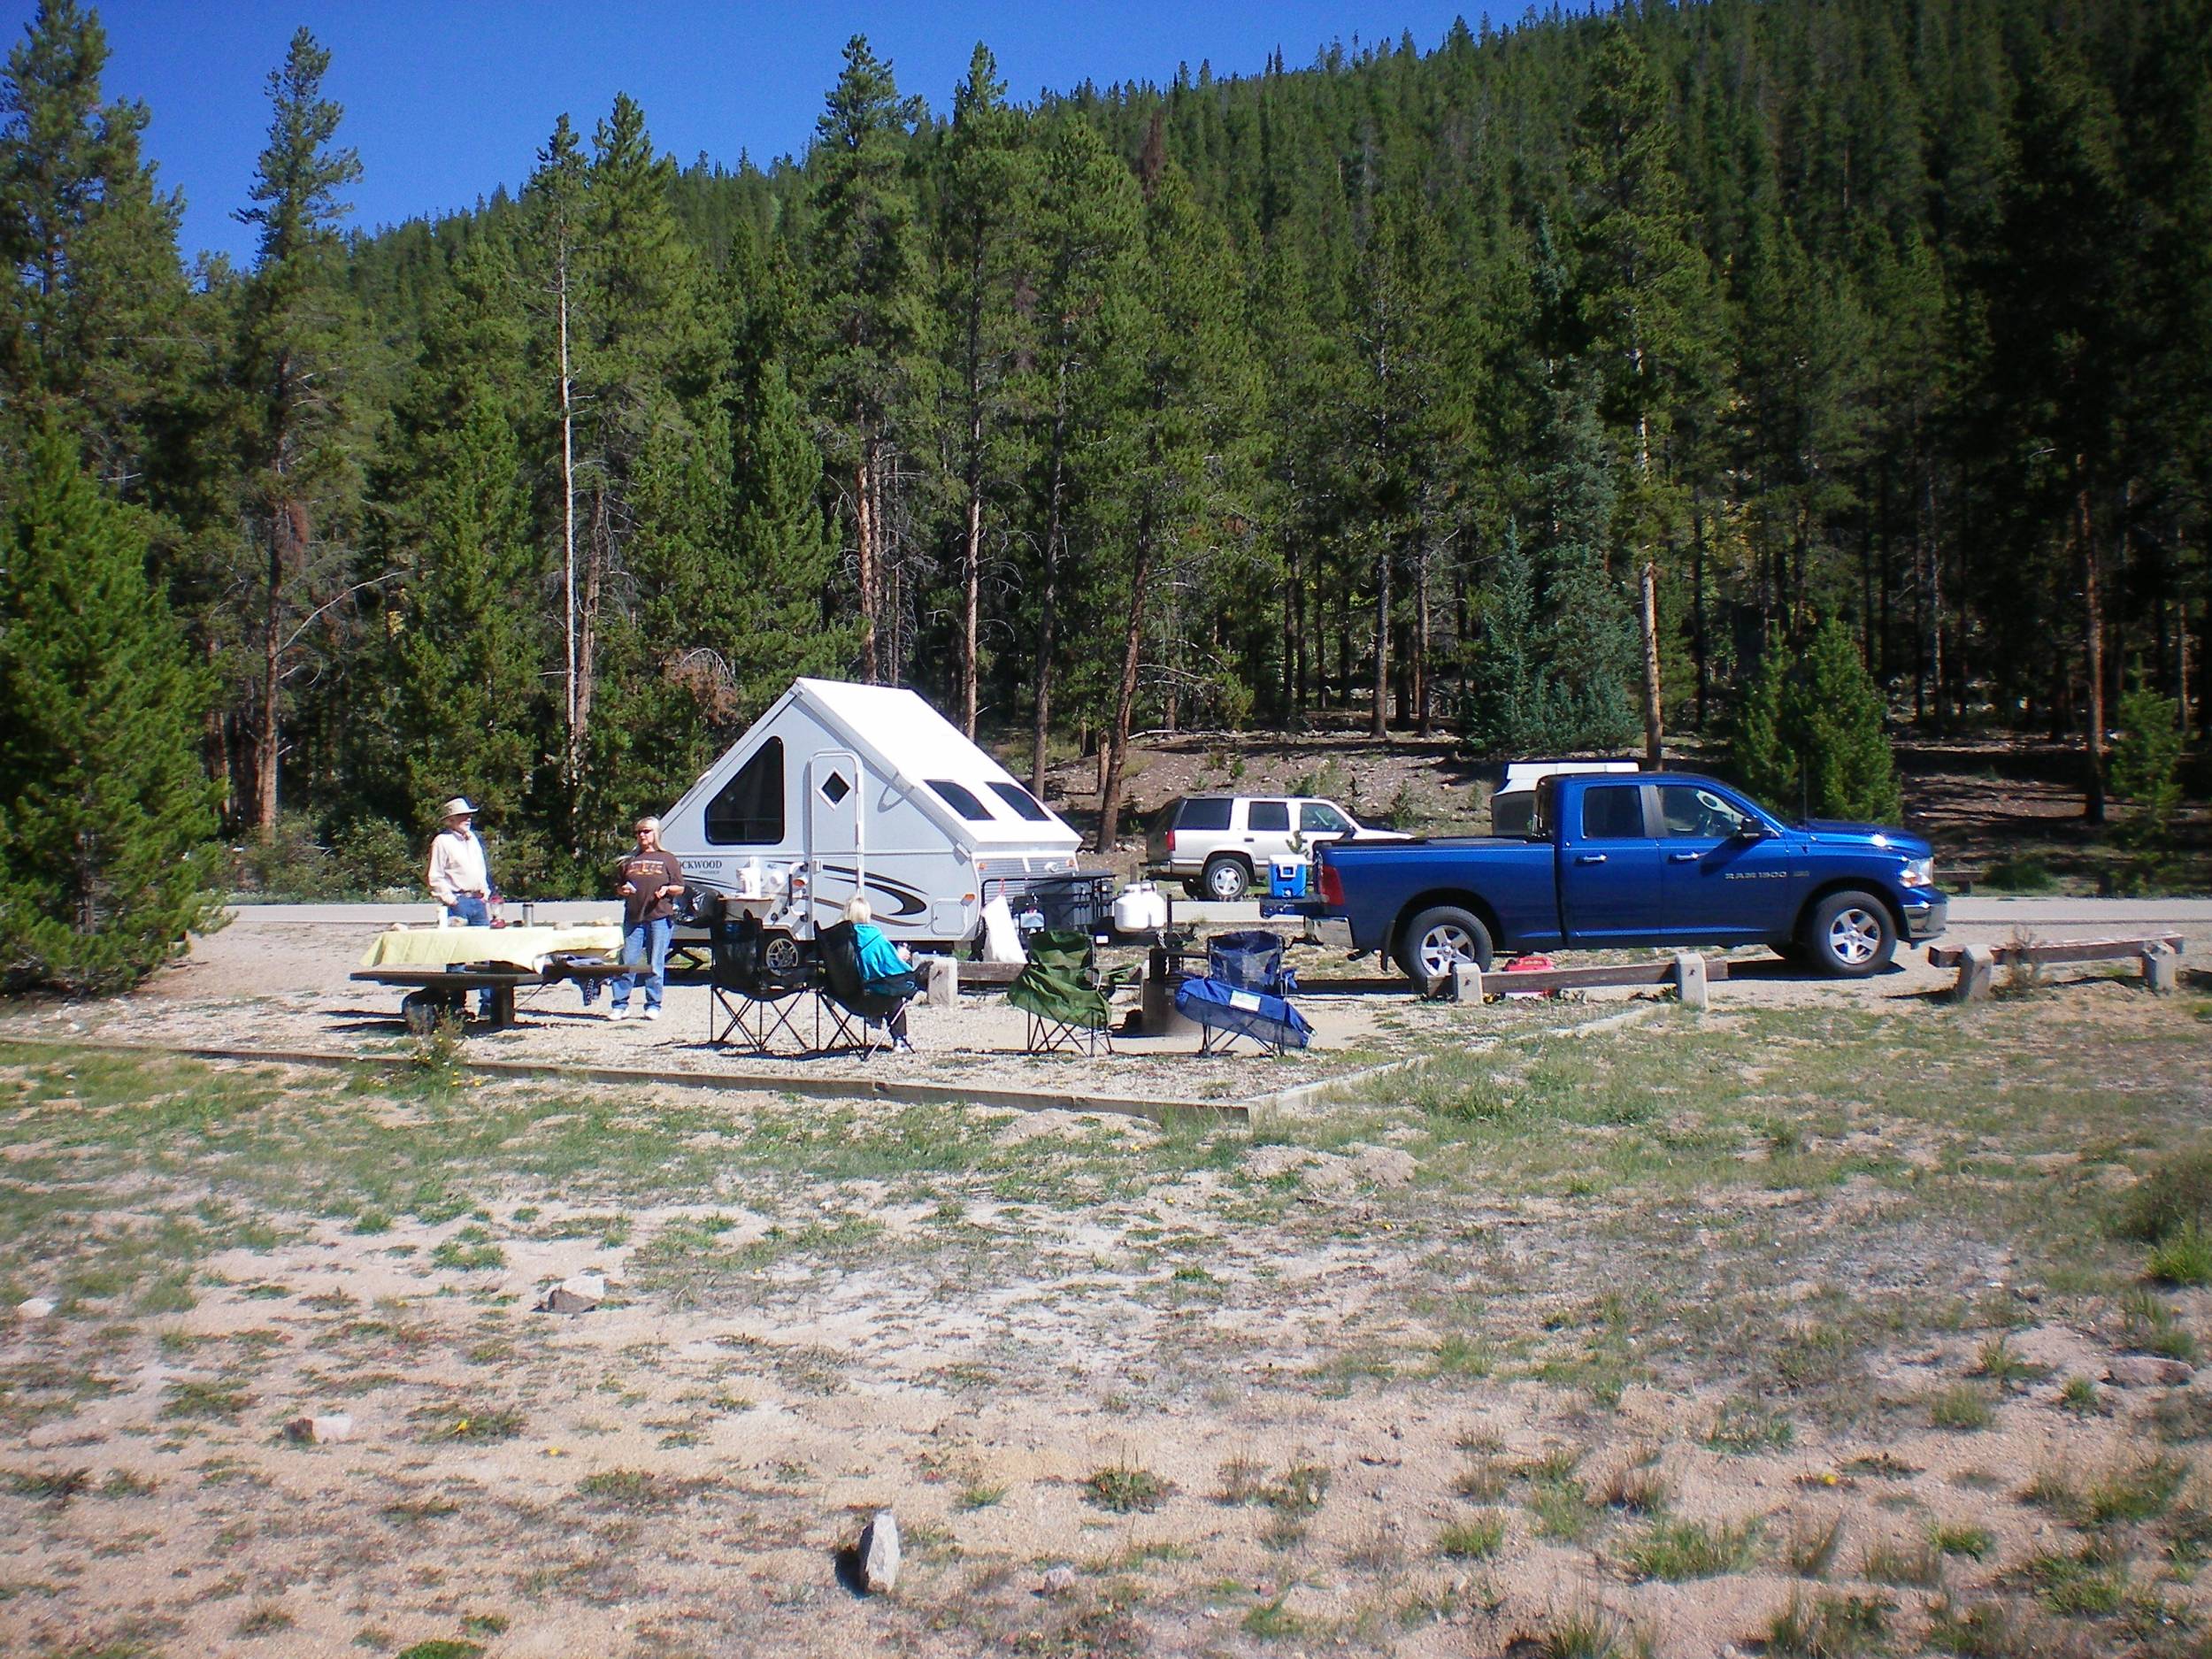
point(865, 973)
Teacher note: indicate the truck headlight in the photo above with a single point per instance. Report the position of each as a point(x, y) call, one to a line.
point(1919, 872)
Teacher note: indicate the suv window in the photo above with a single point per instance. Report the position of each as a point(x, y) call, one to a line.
point(1613, 813)
point(1689, 813)
point(1205, 812)
point(1319, 817)
point(1267, 815)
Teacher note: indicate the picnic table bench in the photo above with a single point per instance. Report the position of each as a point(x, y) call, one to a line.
point(1974, 962)
point(435, 993)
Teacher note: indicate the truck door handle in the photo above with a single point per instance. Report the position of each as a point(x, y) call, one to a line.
point(1590, 858)
point(1682, 858)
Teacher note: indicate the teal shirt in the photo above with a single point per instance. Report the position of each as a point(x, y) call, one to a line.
point(880, 958)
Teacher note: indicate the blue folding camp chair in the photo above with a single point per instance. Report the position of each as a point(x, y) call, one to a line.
point(1224, 1013)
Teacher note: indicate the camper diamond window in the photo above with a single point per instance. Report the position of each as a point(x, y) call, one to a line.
point(834, 788)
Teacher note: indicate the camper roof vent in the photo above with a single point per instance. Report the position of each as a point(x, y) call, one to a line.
point(835, 788)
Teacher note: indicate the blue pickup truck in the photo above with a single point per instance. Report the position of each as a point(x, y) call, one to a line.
point(1659, 859)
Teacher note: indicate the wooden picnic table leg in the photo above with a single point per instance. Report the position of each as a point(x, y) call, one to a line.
point(502, 1006)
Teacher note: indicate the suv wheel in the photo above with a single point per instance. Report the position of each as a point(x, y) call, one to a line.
point(1436, 939)
point(1850, 935)
point(1225, 879)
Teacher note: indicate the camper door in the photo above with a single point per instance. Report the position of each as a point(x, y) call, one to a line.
point(836, 845)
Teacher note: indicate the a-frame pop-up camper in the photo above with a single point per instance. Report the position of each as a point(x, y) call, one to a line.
point(840, 788)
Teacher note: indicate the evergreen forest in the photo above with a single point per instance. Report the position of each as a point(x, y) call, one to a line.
point(1381, 387)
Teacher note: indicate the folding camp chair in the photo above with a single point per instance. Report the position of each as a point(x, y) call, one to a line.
point(1250, 960)
point(843, 998)
point(1224, 1013)
point(1059, 991)
point(757, 979)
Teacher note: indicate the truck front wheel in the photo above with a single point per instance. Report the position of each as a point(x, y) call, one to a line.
point(1850, 935)
point(1436, 939)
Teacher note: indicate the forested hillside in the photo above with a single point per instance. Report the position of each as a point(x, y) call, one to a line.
point(1377, 383)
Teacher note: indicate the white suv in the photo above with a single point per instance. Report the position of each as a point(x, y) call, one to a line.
point(1220, 844)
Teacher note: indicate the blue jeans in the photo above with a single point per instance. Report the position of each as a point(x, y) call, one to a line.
point(644, 945)
point(471, 912)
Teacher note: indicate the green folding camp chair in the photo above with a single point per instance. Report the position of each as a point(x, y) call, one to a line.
point(1061, 992)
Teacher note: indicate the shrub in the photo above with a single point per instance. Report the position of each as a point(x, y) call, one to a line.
point(1810, 733)
point(373, 853)
point(2173, 1194)
point(2182, 1257)
point(2147, 765)
point(2021, 873)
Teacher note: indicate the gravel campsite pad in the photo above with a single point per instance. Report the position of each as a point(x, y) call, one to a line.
point(1804, 1326)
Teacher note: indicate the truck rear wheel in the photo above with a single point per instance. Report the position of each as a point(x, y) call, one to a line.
point(1436, 939)
point(1850, 935)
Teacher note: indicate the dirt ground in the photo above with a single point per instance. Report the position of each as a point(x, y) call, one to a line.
point(1810, 1327)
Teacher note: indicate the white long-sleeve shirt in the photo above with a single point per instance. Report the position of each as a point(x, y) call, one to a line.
point(457, 866)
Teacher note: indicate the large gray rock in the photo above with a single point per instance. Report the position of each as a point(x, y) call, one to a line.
point(579, 1293)
point(2146, 1371)
point(36, 1308)
point(880, 1553)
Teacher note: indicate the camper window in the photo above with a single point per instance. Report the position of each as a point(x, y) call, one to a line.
point(961, 800)
point(748, 811)
point(1023, 802)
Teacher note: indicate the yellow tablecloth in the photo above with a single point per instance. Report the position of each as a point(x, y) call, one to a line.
point(523, 948)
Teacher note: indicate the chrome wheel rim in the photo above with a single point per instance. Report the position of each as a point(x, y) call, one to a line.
point(1223, 884)
point(1854, 936)
point(1441, 946)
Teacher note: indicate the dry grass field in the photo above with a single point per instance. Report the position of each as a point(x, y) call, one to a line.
point(1859, 1329)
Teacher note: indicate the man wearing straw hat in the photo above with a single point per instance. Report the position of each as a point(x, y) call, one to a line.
point(459, 878)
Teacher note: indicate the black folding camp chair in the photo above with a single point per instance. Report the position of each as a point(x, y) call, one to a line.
point(844, 1001)
point(758, 977)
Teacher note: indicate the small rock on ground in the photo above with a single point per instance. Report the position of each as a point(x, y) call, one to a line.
point(880, 1553)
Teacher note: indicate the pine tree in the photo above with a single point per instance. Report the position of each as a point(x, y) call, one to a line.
point(779, 548)
point(292, 377)
point(1090, 244)
point(1809, 734)
point(91, 328)
point(871, 324)
point(1759, 750)
point(988, 185)
point(1183, 435)
point(467, 666)
point(104, 811)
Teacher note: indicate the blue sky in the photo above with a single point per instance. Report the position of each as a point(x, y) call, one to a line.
point(445, 101)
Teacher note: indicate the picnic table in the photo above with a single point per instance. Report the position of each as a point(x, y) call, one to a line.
point(440, 966)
